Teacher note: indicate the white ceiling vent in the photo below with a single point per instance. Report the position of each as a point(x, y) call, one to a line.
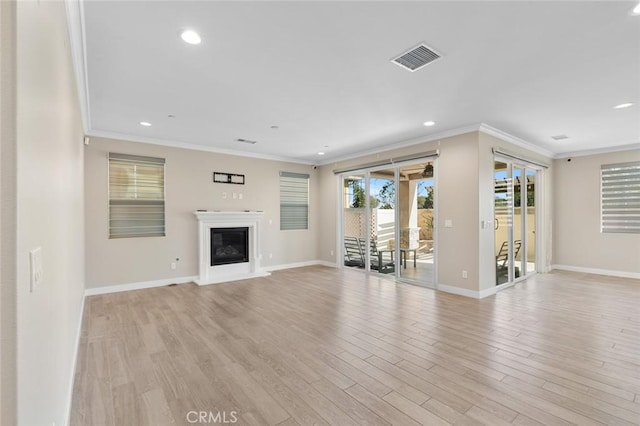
point(416, 57)
point(559, 137)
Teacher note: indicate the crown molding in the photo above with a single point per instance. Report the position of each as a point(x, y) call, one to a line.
point(480, 127)
point(403, 144)
point(191, 146)
point(596, 151)
point(77, 38)
point(514, 140)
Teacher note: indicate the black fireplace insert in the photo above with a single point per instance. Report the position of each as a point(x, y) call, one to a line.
point(229, 245)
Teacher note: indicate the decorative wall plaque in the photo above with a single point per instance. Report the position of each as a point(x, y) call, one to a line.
point(220, 177)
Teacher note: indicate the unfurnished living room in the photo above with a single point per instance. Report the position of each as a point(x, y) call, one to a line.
point(319, 212)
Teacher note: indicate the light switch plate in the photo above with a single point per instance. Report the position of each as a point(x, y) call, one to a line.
point(35, 267)
point(448, 223)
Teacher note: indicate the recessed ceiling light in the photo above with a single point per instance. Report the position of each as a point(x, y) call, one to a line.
point(321, 153)
point(624, 105)
point(429, 123)
point(191, 37)
point(145, 123)
point(636, 10)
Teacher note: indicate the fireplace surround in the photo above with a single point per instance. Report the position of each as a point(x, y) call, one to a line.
point(221, 237)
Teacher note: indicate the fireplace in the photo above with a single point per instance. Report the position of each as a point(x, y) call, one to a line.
point(229, 245)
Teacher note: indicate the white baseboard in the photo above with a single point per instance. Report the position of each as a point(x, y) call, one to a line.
point(609, 272)
point(488, 292)
point(503, 286)
point(327, 264)
point(182, 280)
point(74, 362)
point(230, 278)
point(137, 286)
point(299, 265)
point(466, 292)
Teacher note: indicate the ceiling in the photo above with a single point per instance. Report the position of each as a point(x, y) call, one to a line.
point(321, 72)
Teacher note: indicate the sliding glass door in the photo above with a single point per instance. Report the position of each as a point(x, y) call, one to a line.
point(382, 199)
point(416, 219)
point(530, 220)
point(388, 221)
point(354, 220)
point(514, 221)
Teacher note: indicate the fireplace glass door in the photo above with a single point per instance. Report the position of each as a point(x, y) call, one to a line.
point(229, 245)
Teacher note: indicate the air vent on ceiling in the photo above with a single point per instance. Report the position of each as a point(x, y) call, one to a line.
point(416, 58)
point(559, 137)
point(246, 141)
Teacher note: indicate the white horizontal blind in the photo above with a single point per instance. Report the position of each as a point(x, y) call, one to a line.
point(294, 201)
point(620, 198)
point(136, 196)
point(504, 203)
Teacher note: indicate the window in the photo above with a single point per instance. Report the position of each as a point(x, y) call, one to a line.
point(620, 189)
point(136, 196)
point(294, 201)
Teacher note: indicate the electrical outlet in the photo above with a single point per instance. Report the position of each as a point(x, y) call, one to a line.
point(35, 267)
point(240, 196)
point(270, 255)
point(331, 252)
point(464, 274)
point(448, 223)
point(173, 265)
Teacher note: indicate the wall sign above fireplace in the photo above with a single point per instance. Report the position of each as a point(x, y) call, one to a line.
point(220, 177)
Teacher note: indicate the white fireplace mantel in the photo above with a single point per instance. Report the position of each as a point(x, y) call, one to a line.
point(228, 219)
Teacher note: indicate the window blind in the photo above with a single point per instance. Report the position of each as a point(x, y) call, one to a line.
point(136, 196)
point(620, 195)
point(294, 201)
point(503, 203)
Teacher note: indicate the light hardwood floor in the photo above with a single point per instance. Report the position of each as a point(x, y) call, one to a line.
point(324, 346)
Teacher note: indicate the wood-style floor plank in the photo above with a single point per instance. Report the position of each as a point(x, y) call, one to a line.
point(317, 345)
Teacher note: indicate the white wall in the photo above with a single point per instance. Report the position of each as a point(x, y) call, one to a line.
point(50, 213)
point(328, 204)
point(457, 196)
point(8, 146)
point(189, 186)
point(578, 242)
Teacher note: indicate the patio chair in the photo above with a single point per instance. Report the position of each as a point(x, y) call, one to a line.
point(353, 252)
point(377, 258)
point(502, 268)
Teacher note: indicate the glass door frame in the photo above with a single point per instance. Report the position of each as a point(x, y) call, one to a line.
point(340, 207)
point(525, 167)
